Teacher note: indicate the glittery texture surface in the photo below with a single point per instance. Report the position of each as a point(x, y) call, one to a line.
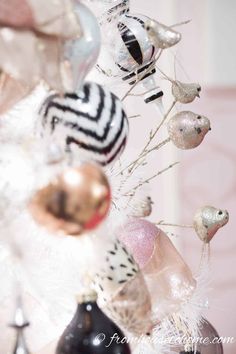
point(187, 129)
point(208, 220)
point(169, 279)
point(185, 93)
point(142, 208)
point(139, 237)
point(162, 36)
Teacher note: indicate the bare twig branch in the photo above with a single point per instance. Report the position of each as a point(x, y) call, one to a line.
point(154, 176)
point(163, 120)
point(135, 116)
point(152, 136)
point(181, 23)
point(140, 159)
point(162, 223)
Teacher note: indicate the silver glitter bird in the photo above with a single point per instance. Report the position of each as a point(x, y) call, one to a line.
point(142, 208)
point(187, 129)
point(162, 36)
point(208, 220)
point(185, 92)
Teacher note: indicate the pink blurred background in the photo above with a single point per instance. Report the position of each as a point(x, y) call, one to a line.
point(207, 175)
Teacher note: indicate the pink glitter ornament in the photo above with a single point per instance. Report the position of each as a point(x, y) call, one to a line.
point(139, 237)
point(168, 278)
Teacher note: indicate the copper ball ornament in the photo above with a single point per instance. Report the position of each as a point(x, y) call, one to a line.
point(77, 201)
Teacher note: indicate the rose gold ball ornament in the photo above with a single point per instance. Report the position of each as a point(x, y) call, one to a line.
point(187, 129)
point(169, 279)
point(208, 220)
point(76, 202)
point(185, 92)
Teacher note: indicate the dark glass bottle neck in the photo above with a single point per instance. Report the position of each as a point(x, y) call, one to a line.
point(20, 345)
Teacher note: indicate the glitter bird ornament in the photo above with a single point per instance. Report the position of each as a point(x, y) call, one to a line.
point(142, 207)
point(185, 92)
point(90, 124)
point(208, 220)
point(187, 129)
point(162, 36)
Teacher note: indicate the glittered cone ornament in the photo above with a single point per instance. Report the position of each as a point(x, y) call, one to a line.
point(91, 331)
point(168, 278)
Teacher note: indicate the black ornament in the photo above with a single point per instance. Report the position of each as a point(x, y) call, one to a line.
point(92, 332)
point(19, 323)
